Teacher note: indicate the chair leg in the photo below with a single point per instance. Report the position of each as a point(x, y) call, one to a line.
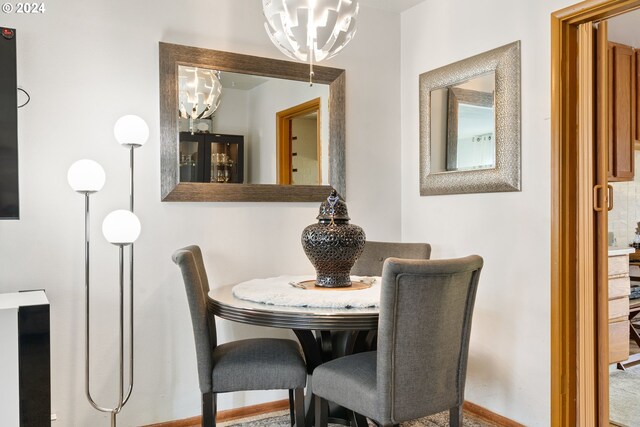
point(299, 406)
point(357, 420)
point(455, 416)
point(322, 412)
point(291, 413)
point(209, 409)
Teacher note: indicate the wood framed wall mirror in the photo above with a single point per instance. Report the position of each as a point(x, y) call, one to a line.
point(243, 128)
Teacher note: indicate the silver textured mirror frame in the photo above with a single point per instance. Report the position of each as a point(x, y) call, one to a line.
point(172, 55)
point(506, 176)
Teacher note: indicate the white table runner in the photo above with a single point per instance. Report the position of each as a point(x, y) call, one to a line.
point(279, 291)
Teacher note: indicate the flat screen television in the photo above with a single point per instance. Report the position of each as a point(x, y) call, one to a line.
point(9, 199)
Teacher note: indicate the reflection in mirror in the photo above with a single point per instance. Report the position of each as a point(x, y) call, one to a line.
point(301, 149)
point(227, 124)
point(206, 157)
point(199, 93)
point(463, 125)
point(306, 151)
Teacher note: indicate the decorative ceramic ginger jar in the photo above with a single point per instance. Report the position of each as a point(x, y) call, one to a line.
point(333, 245)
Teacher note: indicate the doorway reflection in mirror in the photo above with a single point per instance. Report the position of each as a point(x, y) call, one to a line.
point(305, 161)
point(463, 125)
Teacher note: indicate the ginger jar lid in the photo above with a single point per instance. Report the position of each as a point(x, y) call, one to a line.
point(333, 205)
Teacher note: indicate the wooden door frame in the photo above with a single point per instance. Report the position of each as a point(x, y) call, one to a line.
point(283, 138)
point(578, 395)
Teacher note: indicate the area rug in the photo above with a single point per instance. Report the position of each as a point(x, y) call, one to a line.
point(624, 392)
point(281, 419)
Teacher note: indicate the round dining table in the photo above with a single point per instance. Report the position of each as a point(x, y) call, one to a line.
point(324, 333)
point(355, 324)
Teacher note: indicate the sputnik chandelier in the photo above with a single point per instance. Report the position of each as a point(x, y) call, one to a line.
point(199, 93)
point(310, 30)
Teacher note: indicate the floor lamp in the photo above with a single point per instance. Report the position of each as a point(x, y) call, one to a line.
point(121, 228)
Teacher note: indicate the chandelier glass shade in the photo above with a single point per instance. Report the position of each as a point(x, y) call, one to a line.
point(199, 92)
point(310, 30)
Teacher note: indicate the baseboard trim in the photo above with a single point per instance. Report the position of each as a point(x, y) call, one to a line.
point(279, 405)
point(186, 422)
point(487, 415)
point(253, 410)
point(230, 414)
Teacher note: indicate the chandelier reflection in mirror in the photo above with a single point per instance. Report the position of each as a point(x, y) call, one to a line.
point(199, 92)
point(310, 30)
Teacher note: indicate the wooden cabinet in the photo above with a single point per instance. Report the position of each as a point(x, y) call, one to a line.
point(211, 157)
point(619, 288)
point(622, 111)
point(637, 94)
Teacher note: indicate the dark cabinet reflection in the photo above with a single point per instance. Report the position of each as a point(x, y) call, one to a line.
point(206, 157)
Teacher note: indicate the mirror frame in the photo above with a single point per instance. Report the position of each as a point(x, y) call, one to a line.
point(506, 176)
point(173, 55)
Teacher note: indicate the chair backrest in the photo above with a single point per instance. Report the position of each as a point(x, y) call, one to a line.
point(370, 262)
point(196, 284)
point(426, 309)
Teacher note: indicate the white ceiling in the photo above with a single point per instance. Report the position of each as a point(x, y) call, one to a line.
point(391, 5)
point(240, 81)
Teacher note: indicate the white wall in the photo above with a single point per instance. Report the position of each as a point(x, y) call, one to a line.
point(509, 363)
point(624, 29)
point(87, 63)
point(232, 116)
point(9, 365)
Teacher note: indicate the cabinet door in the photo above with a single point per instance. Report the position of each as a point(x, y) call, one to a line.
point(623, 132)
point(192, 157)
point(233, 147)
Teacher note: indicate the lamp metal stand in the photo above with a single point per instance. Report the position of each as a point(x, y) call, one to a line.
point(131, 192)
point(123, 397)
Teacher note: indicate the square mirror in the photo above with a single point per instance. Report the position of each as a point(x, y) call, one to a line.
point(470, 125)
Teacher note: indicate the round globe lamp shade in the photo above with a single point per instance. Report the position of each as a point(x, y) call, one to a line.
point(121, 227)
point(310, 31)
point(131, 131)
point(86, 176)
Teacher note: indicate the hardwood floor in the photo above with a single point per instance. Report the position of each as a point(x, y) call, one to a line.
point(475, 416)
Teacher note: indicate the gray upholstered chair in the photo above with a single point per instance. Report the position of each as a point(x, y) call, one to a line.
point(370, 262)
point(420, 366)
point(251, 364)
